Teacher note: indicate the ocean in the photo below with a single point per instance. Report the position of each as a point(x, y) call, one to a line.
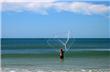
point(42, 55)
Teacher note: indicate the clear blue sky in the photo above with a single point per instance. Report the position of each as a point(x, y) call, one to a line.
point(46, 22)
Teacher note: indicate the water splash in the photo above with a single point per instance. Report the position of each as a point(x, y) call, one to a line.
point(66, 42)
point(60, 42)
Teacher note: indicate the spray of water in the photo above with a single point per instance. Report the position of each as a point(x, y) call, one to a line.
point(66, 42)
point(63, 43)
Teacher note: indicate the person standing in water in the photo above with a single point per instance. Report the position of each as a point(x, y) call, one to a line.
point(61, 54)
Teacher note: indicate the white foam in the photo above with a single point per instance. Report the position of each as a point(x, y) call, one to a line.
point(83, 70)
point(12, 71)
point(52, 70)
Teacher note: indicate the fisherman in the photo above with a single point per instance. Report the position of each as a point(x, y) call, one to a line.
point(61, 54)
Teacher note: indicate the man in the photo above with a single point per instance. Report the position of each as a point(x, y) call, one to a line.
point(61, 54)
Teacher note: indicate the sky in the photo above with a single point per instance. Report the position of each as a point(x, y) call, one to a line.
point(55, 18)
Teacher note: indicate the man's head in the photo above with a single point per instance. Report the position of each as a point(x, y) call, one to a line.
point(61, 49)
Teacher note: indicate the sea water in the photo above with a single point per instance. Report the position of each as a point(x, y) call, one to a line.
point(42, 55)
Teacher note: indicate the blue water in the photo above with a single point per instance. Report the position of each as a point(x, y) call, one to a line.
point(42, 54)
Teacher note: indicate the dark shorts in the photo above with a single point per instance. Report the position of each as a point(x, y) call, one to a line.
point(61, 57)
